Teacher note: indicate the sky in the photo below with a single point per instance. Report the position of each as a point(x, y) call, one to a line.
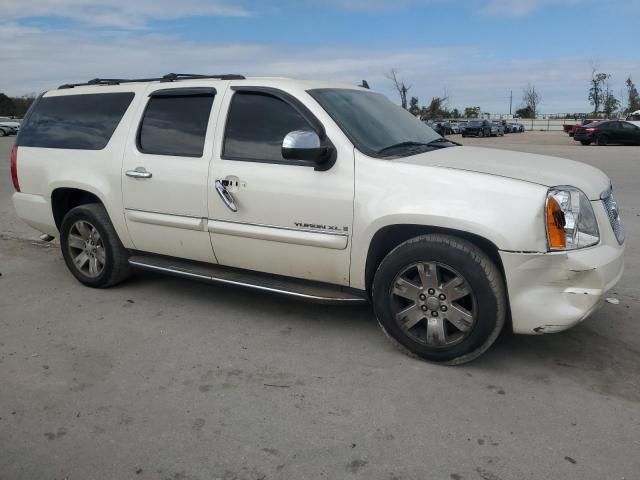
point(474, 51)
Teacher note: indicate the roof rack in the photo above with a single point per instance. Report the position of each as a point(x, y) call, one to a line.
point(169, 77)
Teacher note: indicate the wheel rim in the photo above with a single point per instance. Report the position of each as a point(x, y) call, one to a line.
point(602, 140)
point(86, 249)
point(433, 304)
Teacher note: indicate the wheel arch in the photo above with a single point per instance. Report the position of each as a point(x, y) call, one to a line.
point(63, 199)
point(390, 236)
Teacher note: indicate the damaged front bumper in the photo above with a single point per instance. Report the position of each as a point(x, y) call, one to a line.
point(551, 292)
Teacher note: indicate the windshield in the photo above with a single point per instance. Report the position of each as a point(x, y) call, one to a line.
point(474, 123)
point(373, 123)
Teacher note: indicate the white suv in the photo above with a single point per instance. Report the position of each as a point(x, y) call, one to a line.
point(320, 191)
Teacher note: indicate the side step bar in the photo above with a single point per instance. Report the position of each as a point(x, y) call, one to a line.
point(301, 289)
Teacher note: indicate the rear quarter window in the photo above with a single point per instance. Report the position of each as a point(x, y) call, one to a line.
point(74, 122)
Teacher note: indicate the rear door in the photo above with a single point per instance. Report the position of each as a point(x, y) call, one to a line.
point(165, 170)
point(289, 218)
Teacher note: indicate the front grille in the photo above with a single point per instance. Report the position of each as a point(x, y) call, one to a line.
point(611, 206)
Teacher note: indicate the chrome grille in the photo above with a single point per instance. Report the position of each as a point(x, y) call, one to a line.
point(611, 206)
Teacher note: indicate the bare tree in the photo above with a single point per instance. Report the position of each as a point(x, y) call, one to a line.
point(400, 87)
point(531, 99)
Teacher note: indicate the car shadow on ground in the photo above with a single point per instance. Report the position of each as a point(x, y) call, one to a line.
point(604, 365)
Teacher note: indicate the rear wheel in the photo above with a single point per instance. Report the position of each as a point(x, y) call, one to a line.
point(91, 247)
point(439, 298)
point(602, 140)
point(3, 133)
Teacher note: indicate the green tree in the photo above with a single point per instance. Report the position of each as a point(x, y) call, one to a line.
point(633, 98)
point(472, 112)
point(7, 105)
point(414, 108)
point(525, 112)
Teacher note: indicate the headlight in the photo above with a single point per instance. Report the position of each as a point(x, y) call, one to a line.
point(571, 223)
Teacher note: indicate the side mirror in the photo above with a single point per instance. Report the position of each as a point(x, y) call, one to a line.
point(304, 145)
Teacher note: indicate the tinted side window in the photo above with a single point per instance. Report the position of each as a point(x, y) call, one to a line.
point(175, 125)
point(256, 126)
point(628, 126)
point(80, 122)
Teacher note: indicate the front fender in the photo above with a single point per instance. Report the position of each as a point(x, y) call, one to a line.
point(508, 213)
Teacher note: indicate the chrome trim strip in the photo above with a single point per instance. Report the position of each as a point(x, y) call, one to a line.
point(209, 278)
point(166, 220)
point(309, 238)
point(281, 227)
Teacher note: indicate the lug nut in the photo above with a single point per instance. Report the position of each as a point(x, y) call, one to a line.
point(434, 314)
point(424, 308)
point(431, 291)
point(443, 308)
point(442, 296)
point(423, 296)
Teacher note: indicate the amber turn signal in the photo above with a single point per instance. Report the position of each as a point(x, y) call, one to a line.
point(555, 225)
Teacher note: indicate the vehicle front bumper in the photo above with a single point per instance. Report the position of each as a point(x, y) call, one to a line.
point(551, 292)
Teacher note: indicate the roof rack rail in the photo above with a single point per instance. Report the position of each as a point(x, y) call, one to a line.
point(169, 77)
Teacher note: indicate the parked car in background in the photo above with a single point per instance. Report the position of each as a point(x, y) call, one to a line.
point(571, 128)
point(634, 117)
point(609, 132)
point(497, 130)
point(479, 128)
point(8, 127)
point(455, 127)
point(516, 127)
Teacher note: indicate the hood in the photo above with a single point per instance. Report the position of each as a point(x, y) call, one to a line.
point(528, 167)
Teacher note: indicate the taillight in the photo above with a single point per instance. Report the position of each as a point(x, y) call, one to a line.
point(590, 130)
point(14, 168)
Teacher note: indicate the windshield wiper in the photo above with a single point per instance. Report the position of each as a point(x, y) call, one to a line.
point(402, 145)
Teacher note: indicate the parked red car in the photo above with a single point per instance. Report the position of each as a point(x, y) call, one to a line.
point(571, 128)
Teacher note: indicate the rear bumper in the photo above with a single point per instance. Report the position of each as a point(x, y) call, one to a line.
point(35, 211)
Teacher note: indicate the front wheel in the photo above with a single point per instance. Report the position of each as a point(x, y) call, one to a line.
point(440, 298)
point(602, 140)
point(481, 133)
point(91, 247)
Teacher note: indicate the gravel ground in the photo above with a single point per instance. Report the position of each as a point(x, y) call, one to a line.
point(167, 379)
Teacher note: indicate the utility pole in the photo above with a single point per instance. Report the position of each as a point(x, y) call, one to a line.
point(510, 101)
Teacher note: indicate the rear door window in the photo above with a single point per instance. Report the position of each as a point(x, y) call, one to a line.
point(176, 124)
point(75, 122)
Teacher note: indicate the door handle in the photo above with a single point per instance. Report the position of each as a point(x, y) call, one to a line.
point(139, 172)
point(225, 196)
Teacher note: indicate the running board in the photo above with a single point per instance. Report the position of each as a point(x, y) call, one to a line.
point(301, 289)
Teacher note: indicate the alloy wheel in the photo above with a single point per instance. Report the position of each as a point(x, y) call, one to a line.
point(86, 249)
point(433, 304)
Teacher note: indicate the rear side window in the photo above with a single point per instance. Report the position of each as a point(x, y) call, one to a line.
point(175, 125)
point(256, 126)
point(75, 122)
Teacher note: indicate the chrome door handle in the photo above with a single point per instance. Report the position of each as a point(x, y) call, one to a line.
point(226, 196)
point(139, 172)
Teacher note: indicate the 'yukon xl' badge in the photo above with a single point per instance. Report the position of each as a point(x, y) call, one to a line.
point(315, 226)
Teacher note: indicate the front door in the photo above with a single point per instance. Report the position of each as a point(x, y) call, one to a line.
point(165, 171)
point(286, 218)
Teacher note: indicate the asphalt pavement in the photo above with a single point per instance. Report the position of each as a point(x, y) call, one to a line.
point(163, 378)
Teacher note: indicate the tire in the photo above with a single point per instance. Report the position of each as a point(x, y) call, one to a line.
point(585, 142)
point(602, 140)
point(480, 133)
point(398, 289)
point(87, 234)
point(3, 133)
